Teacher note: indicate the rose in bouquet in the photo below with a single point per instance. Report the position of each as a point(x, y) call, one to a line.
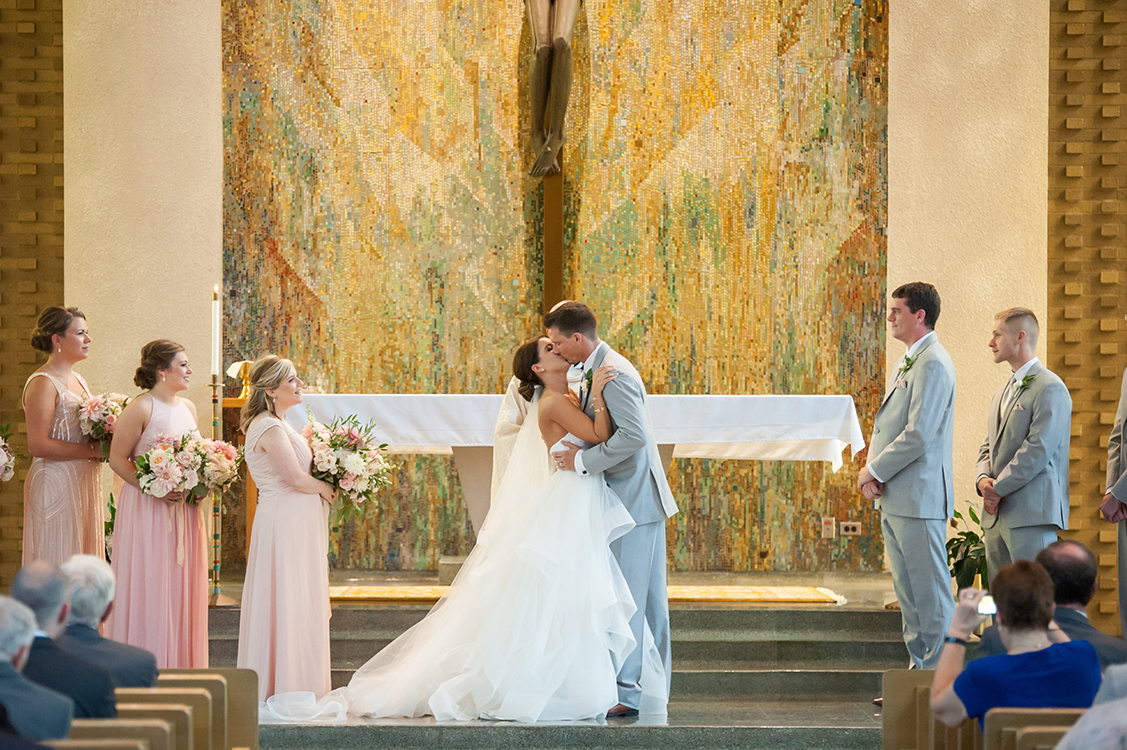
point(346, 456)
point(7, 454)
point(188, 464)
point(97, 416)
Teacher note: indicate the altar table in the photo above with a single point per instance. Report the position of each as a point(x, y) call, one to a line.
point(762, 428)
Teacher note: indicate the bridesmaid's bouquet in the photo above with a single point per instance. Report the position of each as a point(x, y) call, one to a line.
point(188, 464)
point(346, 456)
point(7, 454)
point(97, 416)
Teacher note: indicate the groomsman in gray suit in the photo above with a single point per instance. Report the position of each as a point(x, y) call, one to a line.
point(1114, 506)
point(910, 471)
point(631, 465)
point(1023, 463)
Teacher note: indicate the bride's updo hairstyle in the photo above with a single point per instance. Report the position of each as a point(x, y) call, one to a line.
point(527, 356)
point(267, 373)
point(155, 356)
point(52, 321)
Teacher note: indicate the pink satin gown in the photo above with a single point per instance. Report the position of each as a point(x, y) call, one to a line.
point(284, 624)
point(160, 559)
point(63, 510)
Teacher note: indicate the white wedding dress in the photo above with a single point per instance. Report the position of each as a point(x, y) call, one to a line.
point(534, 627)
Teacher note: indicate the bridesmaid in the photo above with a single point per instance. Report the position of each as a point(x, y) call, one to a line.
point(63, 512)
point(284, 628)
point(159, 544)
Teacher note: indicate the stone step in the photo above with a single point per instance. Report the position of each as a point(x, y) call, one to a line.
point(724, 725)
point(767, 684)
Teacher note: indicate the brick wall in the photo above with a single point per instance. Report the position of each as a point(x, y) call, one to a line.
point(31, 218)
point(1087, 270)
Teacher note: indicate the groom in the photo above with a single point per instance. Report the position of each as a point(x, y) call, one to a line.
point(630, 464)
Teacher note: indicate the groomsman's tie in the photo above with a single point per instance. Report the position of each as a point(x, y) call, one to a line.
point(1007, 400)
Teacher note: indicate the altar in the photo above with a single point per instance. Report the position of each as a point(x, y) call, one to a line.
point(743, 427)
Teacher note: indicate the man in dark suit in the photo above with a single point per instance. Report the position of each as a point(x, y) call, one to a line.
point(34, 711)
point(91, 600)
point(1072, 566)
point(42, 587)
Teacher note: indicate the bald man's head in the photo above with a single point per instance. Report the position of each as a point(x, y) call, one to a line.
point(1072, 566)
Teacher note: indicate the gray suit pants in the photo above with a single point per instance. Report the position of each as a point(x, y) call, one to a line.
point(1005, 545)
point(917, 552)
point(641, 555)
point(1123, 578)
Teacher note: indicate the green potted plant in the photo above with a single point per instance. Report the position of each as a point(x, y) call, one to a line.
point(966, 550)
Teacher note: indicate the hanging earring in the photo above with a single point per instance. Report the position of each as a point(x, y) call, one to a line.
point(162, 377)
point(59, 350)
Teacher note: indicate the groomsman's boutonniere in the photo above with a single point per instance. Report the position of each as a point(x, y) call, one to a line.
point(906, 364)
point(1023, 385)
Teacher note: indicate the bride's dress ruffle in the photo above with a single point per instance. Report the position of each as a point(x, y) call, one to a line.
point(534, 627)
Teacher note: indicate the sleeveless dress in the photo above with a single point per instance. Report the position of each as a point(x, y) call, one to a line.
point(63, 510)
point(534, 627)
point(284, 625)
point(160, 560)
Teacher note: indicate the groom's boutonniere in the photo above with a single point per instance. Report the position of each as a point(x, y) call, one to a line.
point(906, 365)
point(589, 378)
point(1023, 385)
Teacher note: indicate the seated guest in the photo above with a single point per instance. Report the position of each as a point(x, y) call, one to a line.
point(42, 587)
point(1041, 668)
point(1072, 566)
point(1102, 727)
point(34, 711)
point(91, 599)
point(1114, 687)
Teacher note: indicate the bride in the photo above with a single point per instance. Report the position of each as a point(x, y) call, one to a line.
point(536, 624)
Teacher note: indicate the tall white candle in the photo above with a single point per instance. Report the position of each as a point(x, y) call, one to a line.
point(216, 333)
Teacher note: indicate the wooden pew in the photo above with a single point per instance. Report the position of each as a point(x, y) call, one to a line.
point(216, 685)
point(159, 734)
point(1040, 738)
point(1003, 724)
point(906, 716)
point(198, 699)
point(242, 702)
point(137, 743)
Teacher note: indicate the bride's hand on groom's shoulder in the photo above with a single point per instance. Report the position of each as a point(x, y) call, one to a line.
point(574, 398)
point(603, 375)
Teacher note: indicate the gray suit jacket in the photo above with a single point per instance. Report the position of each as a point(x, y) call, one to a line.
point(913, 439)
point(1026, 453)
point(629, 460)
point(130, 666)
point(36, 712)
point(1116, 459)
point(1109, 649)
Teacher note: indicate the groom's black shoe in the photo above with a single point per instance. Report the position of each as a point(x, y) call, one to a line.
point(620, 711)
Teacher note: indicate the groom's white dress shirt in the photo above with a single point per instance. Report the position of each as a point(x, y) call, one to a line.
point(583, 385)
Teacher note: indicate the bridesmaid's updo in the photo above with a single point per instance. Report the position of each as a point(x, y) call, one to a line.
point(527, 356)
point(54, 320)
point(155, 356)
point(267, 373)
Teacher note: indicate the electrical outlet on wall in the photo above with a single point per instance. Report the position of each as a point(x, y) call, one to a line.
point(851, 528)
point(829, 527)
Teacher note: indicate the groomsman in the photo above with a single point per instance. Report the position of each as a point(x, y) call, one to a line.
point(1023, 463)
point(1114, 506)
point(910, 471)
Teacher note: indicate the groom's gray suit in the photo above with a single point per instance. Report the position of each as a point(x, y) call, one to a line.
point(911, 452)
point(1117, 485)
point(630, 464)
point(1026, 453)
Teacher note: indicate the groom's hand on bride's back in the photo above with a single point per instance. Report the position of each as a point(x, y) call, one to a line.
point(565, 460)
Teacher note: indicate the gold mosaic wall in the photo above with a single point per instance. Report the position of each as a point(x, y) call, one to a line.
point(725, 200)
point(1087, 224)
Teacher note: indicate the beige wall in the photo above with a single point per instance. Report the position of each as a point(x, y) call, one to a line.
point(968, 182)
point(143, 178)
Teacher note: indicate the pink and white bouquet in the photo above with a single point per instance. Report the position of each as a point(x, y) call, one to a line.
point(346, 456)
point(188, 464)
point(97, 415)
point(7, 454)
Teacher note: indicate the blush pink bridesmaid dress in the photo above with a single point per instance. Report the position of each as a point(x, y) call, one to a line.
point(284, 623)
point(160, 560)
point(63, 510)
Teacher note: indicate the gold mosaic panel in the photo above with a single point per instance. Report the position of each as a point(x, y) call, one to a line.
point(725, 209)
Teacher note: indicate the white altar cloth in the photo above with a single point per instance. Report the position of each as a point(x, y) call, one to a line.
point(762, 428)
